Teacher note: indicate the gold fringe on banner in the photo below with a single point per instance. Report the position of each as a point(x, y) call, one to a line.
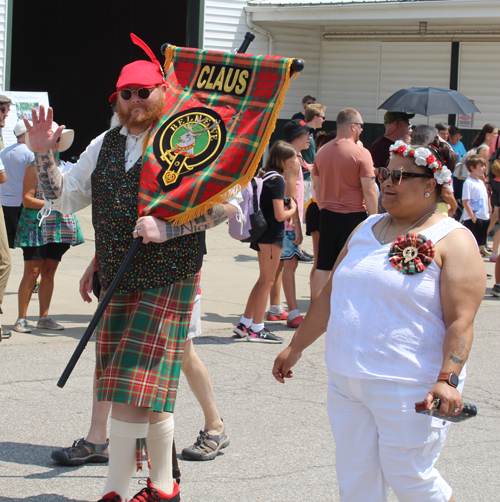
point(239, 185)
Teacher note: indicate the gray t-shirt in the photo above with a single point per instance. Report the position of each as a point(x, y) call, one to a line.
point(15, 159)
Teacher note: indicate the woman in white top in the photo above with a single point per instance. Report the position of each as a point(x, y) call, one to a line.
point(395, 325)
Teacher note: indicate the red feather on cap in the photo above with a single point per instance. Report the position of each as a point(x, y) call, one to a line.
point(140, 73)
point(137, 41)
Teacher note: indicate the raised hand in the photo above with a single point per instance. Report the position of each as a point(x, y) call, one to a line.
point(41, 136)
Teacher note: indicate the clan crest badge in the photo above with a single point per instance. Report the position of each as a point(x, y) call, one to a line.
point(186, 143)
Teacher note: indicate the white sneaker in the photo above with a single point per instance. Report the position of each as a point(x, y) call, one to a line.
point(48, 323)
point(22, 326)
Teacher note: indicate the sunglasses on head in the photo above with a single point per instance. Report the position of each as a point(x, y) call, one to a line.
point(143, 93)
point(397, 175)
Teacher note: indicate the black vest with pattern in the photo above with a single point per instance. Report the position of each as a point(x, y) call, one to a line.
point(114, 215)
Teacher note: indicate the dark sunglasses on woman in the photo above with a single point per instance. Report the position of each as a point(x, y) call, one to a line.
point(397, 175)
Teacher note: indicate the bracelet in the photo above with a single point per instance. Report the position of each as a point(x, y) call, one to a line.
point(296, 220)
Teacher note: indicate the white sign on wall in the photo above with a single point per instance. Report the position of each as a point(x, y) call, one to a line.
point(466, 121)
point(23, 103)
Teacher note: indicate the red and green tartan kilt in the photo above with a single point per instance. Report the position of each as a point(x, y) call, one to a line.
point(140, 343)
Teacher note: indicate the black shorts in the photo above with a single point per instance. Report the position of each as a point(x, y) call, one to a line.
point(495, 195)
point(255, 245)
point(312, 218)
point(334, 230)
point(479, 229)
point(11, 216)
point(54, 251)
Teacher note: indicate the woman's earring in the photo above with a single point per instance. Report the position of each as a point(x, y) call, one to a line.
point(426, 194)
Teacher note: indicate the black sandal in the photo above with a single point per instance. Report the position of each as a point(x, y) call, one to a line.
point(81, 452)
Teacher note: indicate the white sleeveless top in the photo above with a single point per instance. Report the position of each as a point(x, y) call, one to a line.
point(384, 324)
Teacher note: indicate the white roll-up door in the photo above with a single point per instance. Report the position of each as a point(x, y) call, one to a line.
point(362, 75)
point(479, 80)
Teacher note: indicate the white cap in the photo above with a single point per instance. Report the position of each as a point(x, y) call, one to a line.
point(67, 137)
point(20, 128)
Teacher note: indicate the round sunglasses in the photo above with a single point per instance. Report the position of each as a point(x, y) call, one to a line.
point(143, 93)
point(397, 175)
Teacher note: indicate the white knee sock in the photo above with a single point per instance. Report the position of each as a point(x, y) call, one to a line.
point(159, 444)
point(122, 454)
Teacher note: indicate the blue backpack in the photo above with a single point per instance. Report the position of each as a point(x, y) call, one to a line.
point(249, 224)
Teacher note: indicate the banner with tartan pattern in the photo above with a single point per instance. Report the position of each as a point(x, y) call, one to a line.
point(221, 109)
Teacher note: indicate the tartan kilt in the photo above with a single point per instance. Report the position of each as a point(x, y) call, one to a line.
point(140, 343)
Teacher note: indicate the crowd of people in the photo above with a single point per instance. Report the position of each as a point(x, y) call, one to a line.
point(391, 221)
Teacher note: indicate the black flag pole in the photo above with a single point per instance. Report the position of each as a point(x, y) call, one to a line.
point(99, 312)
point(297, 66)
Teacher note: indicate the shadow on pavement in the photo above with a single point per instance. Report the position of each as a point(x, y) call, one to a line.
point(244, 257)
point(33, 454)
point(217, 340)
point(214, 317)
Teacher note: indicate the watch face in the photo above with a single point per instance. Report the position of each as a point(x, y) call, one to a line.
point(454, 379)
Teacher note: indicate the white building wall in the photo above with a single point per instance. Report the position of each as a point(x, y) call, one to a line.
point(225, 27)
point(360, 74)
point(3, 41)
point(304, 44)
point(479, 80)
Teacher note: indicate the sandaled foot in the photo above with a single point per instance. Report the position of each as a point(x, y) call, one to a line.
point(81, 452)
point(207, 446)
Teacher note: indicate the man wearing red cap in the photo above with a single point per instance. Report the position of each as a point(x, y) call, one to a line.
point(141, 336)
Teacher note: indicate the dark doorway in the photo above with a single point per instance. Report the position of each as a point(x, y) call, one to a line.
point(75, 51)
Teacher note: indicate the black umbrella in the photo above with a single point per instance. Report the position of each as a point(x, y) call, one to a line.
point(429, 101)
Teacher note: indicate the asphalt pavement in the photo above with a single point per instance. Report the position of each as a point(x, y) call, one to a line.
point(281, 446)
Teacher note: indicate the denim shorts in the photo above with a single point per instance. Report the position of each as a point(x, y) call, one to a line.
point(289, 248)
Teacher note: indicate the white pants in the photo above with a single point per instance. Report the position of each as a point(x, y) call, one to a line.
point(381, 442)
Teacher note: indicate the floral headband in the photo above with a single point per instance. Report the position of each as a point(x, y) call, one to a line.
point(425, 157)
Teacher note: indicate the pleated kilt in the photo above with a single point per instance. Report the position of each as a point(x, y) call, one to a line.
point(140, 343)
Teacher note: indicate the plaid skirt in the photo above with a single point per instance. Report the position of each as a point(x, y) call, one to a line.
point(140, 343)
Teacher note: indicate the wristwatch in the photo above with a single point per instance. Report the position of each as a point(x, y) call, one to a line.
point(449, 378)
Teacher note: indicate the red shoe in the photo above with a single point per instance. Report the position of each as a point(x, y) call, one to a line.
point(151, 494)
point(295, 323)
point(111, 497)
point(277, 317)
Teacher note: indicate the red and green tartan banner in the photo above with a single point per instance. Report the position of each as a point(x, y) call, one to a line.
point(221, 109)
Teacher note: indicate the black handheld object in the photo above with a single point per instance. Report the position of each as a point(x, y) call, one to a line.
point(98, 313)
point(286, 201)
point(468, 411)
point(249, 38)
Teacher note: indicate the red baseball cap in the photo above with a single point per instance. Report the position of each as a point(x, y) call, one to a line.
point(141, 73)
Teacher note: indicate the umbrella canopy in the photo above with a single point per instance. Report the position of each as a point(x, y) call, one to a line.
point(429, 101)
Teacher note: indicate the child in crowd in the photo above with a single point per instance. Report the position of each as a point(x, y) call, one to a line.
point(475, 200)
point(297, 133)
point(282, 157)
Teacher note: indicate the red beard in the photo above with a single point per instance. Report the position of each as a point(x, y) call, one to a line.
point(153, 111)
